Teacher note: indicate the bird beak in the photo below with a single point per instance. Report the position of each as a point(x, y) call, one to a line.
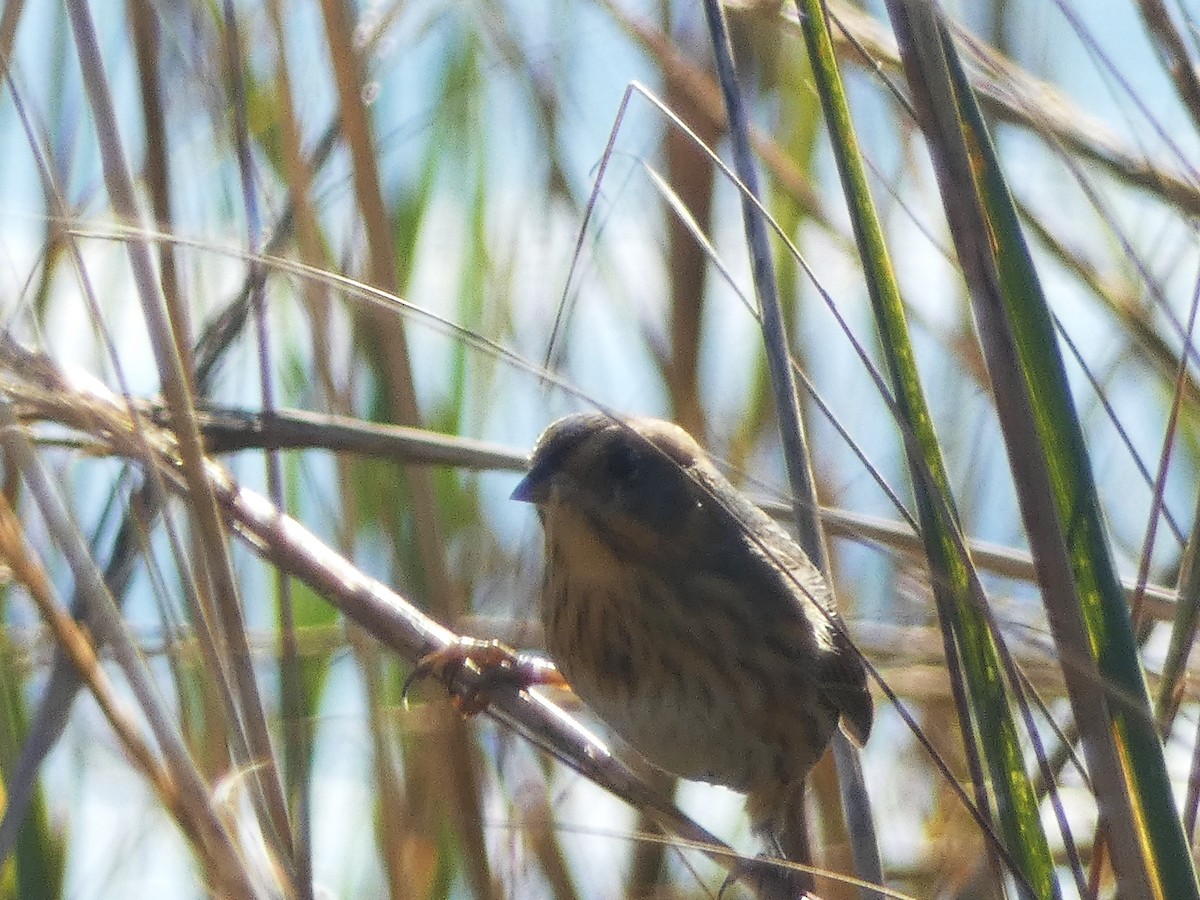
point(534, 487)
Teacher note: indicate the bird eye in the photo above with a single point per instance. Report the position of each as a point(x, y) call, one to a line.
point(623, 462)
point(646, 486)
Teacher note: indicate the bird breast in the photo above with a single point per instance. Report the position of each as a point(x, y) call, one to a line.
point(630, 641)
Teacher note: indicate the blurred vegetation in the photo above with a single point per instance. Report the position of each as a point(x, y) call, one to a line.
point(265, 233)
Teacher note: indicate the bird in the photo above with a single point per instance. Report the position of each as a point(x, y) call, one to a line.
point(687, 620)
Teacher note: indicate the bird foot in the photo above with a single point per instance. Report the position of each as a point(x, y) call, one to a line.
point(769, 878)
point(494, 664)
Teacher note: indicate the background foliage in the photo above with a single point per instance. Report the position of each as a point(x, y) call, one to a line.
point(444, 216)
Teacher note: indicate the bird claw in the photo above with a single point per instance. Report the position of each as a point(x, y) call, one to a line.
point(495, 665)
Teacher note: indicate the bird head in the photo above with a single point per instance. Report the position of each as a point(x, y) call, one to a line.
point(632, 482)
